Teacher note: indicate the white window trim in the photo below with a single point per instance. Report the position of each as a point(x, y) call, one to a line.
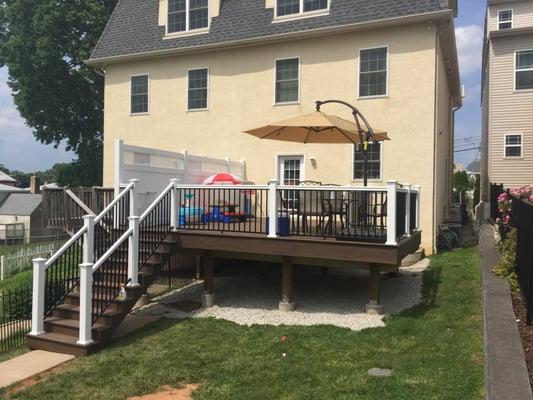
point(506, 22)
point(132, 114)
point(521, 70)
point(187, 93)
point(505, 145)
point(380, 96)
point(380, 179)
point(187, 31)
point(301, 14)
point(288, 103)
point(277, 160)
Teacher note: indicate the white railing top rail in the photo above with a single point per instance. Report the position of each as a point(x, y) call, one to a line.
point(115, 201)
point(236, 187)
point(335, 188)
point(65, 247)
point(111, 250)
point(147, 212)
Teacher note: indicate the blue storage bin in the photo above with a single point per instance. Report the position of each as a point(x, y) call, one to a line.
point(283, 225)
point(186, 213)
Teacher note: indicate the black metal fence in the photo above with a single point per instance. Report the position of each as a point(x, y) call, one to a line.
point(522, 220)
point(15, 317)
point(495, 191)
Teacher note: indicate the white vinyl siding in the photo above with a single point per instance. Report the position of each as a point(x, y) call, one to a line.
point(287, 81)
point(373, 71)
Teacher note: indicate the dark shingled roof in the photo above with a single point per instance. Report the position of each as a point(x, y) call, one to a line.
point(134, 28)
point(21, 204)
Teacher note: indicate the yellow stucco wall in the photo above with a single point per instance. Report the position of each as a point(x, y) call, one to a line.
point(241, 96)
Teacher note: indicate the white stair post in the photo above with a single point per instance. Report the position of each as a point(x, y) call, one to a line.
point(86, 282)
point(272, 209)
point(174, 207)
point(37, 308)
point(86, 304)
point(417, 219)
point(408, 226)
point(133, 252)
point(391, 213)
point(134, 198)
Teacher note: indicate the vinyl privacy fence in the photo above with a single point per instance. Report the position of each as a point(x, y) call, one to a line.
point(20, 260)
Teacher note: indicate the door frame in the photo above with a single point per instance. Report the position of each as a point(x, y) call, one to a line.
point(280, 156)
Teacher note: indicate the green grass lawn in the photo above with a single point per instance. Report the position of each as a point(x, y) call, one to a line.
point(435, 350)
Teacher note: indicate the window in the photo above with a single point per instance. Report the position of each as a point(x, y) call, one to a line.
point(505, 19)
point(287, 80)
point(197, 90)
point(139, 94)
point(513, 145)
point(291, 7)
point(373, 72)
point(524, 70)
point(187, 15)
point(374, 161)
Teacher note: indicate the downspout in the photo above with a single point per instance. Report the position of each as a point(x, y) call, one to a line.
point(435, 137)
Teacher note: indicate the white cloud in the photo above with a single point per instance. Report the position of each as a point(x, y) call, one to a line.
point(18, 147)
point(470, 47)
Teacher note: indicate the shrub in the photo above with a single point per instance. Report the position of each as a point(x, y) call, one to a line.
point(506, 267)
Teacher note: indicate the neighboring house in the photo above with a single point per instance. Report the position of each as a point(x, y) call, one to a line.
point(6, 180)
point(192, 75)
point(507, 95)
point(21, 213)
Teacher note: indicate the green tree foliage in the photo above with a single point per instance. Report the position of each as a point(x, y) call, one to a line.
point(43, 43)
point(506, 267)
point(461, 182)
point(72, 175)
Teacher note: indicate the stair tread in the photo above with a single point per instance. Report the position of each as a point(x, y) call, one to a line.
point(99, 297)
point(72, 307)
point(60, 338)
point(74, 323)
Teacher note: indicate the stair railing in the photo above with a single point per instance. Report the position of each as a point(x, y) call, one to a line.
point(55, 278)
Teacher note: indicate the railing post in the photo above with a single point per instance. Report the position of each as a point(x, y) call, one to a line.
point(88, 242)
point(408, 210)
point(37, 312)
point(391, 213)
point(272, 209)
point(86, 303)
point(174, 206)
point(417, 210)
point(134, 198)
point(133, 252)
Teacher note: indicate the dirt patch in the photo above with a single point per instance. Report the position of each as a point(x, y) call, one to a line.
point(526, 333)
point(170, 393)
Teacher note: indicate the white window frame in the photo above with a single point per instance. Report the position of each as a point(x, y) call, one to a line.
point(358, 180)
point(286, 103)
point(380, 96)
point(188, 31)
point(301, 14)
point(187, 92)
point(516, 70)
point(505, 146)
point(132, 114)
point(500, 22)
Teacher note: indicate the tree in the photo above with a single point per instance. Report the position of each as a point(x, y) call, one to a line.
point(43, 43)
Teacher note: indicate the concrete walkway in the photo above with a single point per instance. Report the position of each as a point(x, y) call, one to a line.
point(506, 375)
point(30, 364)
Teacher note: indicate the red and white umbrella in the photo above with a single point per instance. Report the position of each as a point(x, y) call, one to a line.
point(222, 178)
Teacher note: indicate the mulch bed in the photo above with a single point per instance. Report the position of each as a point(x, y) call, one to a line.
point(526, 333)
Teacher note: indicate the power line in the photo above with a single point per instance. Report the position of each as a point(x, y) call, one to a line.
point(469, 149)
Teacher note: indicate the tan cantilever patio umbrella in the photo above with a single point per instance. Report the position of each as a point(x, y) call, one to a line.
point(318, 127)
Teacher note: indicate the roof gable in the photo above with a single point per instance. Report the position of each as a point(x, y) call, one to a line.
point(134, 25)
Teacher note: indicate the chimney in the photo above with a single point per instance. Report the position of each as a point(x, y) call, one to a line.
point(35, 185)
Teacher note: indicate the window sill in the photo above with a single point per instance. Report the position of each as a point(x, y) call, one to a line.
point(287, 103)
point(360, 181)
point(523, 90)
point(295, 17)
point(381, 96)
point(139, 114)
point(175, 35)
point(195, 110)
point(512, 158)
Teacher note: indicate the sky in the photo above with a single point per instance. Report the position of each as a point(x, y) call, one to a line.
point(19, 149)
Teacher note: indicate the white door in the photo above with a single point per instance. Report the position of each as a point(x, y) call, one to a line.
point(290, 173)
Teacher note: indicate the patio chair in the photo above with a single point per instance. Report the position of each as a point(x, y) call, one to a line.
point(310, 206)
point(335, 206)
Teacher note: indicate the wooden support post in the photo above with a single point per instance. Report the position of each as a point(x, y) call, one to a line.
point(209, 281)
point(286, 303)
point(373, 306)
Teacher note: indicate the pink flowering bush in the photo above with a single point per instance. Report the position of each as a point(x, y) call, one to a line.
point(505, 205)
